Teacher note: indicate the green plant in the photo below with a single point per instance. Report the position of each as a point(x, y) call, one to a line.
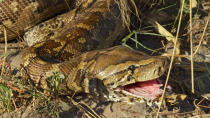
point(6, 98)
point(135, 39)
point(55, 80)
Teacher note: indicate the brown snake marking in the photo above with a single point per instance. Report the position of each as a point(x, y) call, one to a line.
point(14, 12)
point(95, 25)
point(82, 35)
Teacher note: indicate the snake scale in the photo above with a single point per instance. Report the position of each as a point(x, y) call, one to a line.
point(111, 72)
point(32, 12)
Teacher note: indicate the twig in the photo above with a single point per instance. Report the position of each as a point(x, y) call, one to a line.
point(92, 113)
point(172, 58)
point(15, 33)
point(202, 105)
point(12, 86)
point(68, 5)
point(191, 49)
point(201, 116)
point(204, 31)
point(5, 51)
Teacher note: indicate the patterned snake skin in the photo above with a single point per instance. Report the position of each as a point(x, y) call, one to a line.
point(14, 12)
point(95, 24)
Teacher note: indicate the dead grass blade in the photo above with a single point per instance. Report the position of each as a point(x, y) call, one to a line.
point(5, 51)
point(201, 39)
point(191, 49)
point(89, 112)
point(172, 58)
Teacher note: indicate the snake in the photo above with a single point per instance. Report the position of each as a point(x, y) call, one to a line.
point(82, 52)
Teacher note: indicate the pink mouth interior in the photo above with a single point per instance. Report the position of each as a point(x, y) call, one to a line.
point(149, 89)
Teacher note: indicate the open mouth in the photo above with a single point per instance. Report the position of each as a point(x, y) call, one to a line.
point(148, 89)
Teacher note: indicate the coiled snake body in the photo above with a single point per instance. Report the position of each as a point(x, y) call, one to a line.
point(112, 72)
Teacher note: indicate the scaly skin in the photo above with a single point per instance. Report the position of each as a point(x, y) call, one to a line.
point(20, 15)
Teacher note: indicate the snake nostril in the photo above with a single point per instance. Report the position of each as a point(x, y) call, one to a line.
point(129, 77)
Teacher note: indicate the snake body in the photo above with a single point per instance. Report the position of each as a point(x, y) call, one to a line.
point(88, 30)
point(20, 15)
point(94, 25)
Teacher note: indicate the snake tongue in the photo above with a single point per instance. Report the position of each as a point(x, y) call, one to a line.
point(148, 89)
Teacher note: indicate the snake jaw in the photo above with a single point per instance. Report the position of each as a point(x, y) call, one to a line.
point(137, 92)
point(148, 89)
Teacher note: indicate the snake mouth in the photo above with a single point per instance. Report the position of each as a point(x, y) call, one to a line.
point(148, 89)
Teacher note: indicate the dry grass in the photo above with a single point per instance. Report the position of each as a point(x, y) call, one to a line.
point(5, 51)
point(172, 59)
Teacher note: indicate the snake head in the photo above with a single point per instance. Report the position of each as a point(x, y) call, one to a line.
point(117, 72)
